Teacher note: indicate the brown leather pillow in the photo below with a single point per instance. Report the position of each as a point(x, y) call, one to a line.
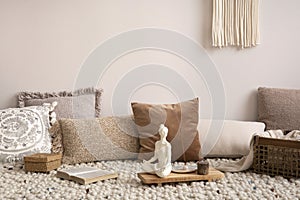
point(181, 120)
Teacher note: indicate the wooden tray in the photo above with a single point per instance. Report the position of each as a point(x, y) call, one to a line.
point(212, 175)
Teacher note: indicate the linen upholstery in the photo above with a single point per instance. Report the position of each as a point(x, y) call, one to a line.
point(181, 119)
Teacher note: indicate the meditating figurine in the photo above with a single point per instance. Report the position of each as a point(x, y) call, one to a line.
point(160, 163)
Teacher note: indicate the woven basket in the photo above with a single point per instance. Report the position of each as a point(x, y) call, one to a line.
point(276, 157)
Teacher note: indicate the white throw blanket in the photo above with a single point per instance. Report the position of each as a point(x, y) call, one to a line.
point(246, 161)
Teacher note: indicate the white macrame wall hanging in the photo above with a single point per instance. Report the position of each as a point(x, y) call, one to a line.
point(235, 23)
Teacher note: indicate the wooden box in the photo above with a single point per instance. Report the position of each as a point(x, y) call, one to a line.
point(276, 157)
point(42, 162)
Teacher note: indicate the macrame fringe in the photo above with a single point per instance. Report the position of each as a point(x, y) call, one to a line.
point(235, 23)
point(56, 138)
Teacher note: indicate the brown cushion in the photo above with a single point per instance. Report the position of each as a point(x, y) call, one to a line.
point(279, 108)
point(181, 120)
point(87, 140)
point(81, 103)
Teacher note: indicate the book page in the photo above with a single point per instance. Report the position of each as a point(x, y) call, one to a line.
point(79, 170)
point(93, 174)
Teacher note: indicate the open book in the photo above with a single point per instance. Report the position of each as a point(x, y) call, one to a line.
point(85, 175)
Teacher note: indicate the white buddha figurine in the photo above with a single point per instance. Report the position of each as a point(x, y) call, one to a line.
point(160, 163)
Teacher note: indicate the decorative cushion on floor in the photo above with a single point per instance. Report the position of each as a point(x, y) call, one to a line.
point(24, 131)
point(106, 138)
point(234, 137)
point(82, 103)
point(279, 108)
point(181, 120)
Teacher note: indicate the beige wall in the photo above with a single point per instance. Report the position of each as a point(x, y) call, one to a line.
point(44, 43)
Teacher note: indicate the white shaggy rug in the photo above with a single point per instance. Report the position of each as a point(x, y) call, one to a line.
point(16, 184)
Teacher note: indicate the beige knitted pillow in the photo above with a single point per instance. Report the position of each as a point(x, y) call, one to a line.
point(87, 140)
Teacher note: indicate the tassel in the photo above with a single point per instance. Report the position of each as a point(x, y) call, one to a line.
point(56, 138)
point(235, 23)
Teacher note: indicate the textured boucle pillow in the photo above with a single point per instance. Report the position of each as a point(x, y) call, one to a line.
point(279, 108)
point(81, 103)
point(87, 140)
point(181, 120)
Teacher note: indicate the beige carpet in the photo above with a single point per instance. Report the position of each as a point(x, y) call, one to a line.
point(16, 184)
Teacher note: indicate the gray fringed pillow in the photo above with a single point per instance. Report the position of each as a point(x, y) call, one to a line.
point(81, 103)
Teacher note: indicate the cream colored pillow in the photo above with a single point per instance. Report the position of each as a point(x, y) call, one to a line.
point(234, 138)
